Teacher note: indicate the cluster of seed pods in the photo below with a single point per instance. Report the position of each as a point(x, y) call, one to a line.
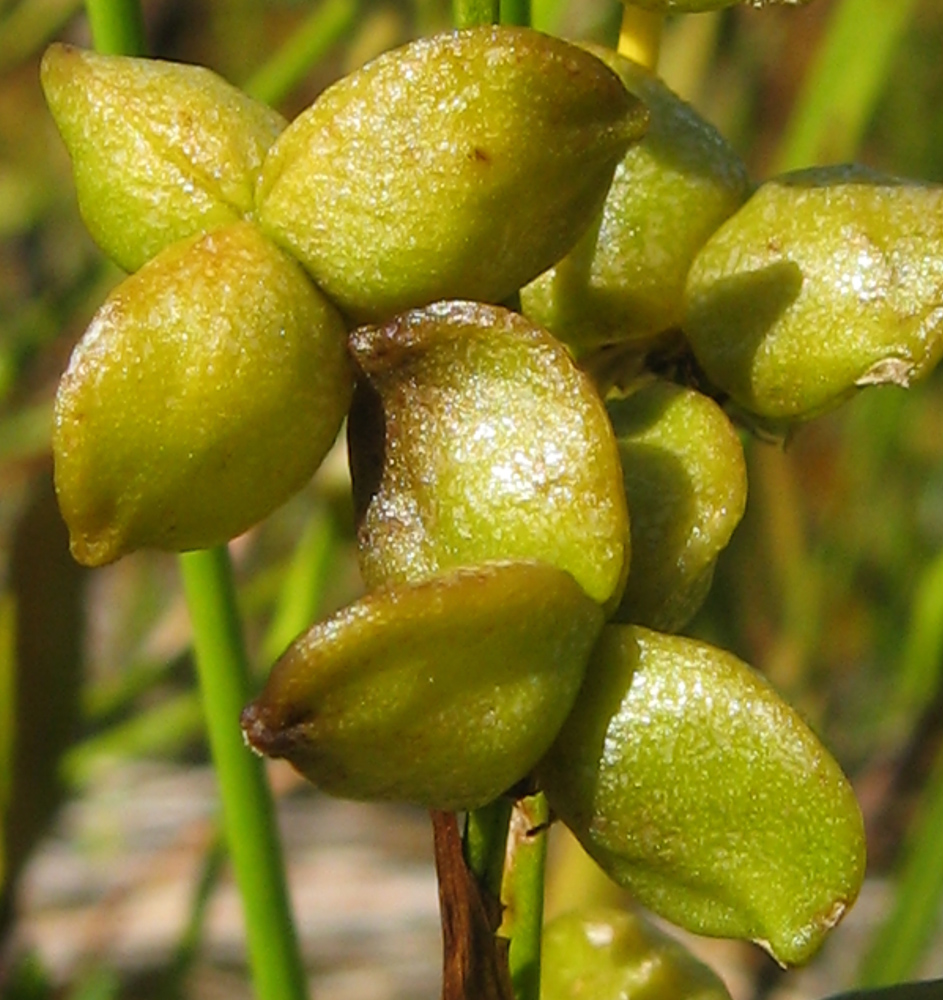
point(538, 514)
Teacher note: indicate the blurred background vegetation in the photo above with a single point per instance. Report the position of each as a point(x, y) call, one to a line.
point(833, 584)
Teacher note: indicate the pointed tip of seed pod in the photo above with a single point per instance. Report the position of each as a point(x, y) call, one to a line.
point(57, 52)
point(805, 941)
point(95, 549)
point(268, 734)
point(58, 63)
point(256, 731)
point(375, 348)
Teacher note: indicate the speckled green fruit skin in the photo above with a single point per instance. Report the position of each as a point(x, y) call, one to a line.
point(443, 693)
point(205, 392)
point(161, 151)
point(696, 787)
point(686, 485)
point(459, 166)
point(609, 954)
point(474, 436)
point(825, 281)
point(624, 280)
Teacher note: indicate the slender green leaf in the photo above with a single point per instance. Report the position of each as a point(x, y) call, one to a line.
point(303, 587)
point(306, 46)
point(840, 92)
point(922, 659)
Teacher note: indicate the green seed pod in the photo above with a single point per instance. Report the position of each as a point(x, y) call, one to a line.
point(610, 954)
point(206, 391)
point(697, 788)
point(444, 693)
point(161, 151)
point(514, 136)
point(686, 485)
point(475, 437)
point(624, 280)
point(825, 281)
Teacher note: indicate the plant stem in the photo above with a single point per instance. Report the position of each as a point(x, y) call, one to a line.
point(523, 893)
point(117, 27)
point(515, 12)
point(547, 15)
point(475, 964)
point(322, 29)
point(470, 13)
point(248, 812)
point(840, 91)
point(486, 837)
point(640, 36)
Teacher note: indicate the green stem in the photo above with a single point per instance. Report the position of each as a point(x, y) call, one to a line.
point(547, 15)
point(117, 27)
point(248, 812)
point(640, 35)
point(523, 893)
point(516, 12)
point(321, 30)
point(840, 91)
point(470, 13)
point(486, 837)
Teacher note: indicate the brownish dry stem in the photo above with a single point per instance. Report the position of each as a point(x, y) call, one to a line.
point(475, 966)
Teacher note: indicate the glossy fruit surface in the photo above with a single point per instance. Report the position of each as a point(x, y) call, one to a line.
point(458, 166)
point(692, 784)
point(475, 437)
point(610, 954)
point(205, 392)
point(443, 693)
point(686, 486)
point(624, 280)
point(825, 281)
point(160, 151)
